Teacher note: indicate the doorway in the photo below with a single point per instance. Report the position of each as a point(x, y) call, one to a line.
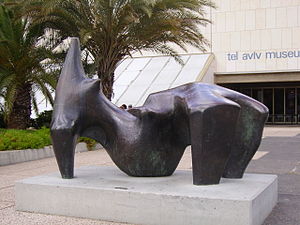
point(283, 102)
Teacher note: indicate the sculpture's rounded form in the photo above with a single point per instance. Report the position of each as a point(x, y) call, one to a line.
point(223, 127)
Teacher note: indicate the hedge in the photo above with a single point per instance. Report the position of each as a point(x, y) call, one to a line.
point(30, 139)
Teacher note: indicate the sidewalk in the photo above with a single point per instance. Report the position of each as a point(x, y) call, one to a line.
point(281, 146)
point(279, 153)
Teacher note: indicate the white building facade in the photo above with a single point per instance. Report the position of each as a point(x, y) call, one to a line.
point(256, 45)
point(254, 49)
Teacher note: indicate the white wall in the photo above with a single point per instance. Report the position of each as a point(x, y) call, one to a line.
point(264, 27)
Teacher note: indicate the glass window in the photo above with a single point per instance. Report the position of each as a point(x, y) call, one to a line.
point(138, 64)
point(290, 101)
point(120, 68)
point(150, 72)
point(152, 89)
point(132, 95)
point(257, 94)
point(170, 72)
point(174, 65)
point(290, 98)
point(127, 78)
point(118, 92)
point(279, 105)
point(246, 91)
point(191, 70)
point(298, 105)
point(268, 101)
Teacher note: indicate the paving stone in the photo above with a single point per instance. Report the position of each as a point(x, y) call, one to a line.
point(277, 161)
point(7, 194)
point(286, 212)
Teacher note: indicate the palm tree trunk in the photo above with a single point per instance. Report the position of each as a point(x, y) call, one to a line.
point(20, 115)
point(106, 75)
point(107, 85)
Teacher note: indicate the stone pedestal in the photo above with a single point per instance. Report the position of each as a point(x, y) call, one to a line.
point(106, 193)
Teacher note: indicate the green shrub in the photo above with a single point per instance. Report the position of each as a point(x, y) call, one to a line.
point(90, 143)
point(42, 120)
point(24, 139)
point(31, 139)
point(2, 122)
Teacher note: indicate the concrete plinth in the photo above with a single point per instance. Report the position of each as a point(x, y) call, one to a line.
point(106, 193)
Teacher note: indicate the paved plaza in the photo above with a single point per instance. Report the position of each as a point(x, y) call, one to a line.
point(278, 154)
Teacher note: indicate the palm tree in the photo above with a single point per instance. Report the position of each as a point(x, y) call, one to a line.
point(21, 70)
point(113, 29)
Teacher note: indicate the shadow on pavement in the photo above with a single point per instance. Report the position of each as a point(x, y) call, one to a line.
point(283, 159)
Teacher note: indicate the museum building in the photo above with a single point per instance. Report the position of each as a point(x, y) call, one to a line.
point(254, 49)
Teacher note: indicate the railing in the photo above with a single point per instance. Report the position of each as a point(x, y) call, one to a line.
point(284, 119)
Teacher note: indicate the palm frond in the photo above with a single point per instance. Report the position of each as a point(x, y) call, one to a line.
point(111, 30)
point(25, 56)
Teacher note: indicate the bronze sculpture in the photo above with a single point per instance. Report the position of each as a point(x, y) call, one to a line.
point(223, 127)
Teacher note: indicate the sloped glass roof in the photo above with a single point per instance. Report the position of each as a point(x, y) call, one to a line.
point(136, 78)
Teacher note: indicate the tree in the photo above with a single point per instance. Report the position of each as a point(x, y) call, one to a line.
point(113, 29)
point(21, 70)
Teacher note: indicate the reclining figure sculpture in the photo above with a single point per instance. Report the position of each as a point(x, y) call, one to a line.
point(223, 127)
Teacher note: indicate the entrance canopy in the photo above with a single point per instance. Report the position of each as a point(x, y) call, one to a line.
point(136, 78)
point(257, 77)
